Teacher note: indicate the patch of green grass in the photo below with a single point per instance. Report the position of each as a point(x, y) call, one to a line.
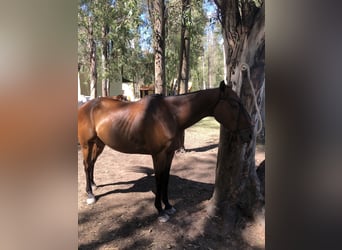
point(206, 125)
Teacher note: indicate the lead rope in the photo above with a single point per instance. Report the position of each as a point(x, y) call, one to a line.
point(245, 66)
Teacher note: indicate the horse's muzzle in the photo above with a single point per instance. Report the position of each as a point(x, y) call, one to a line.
point(246, 135)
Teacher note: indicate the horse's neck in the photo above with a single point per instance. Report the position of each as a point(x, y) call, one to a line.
point(190, 108)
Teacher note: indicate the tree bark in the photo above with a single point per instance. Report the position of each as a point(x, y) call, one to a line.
point(93, 63)
point(184, 62)
point(237, 189)
point(158, 16)
point(105, 62)
point(210, 60)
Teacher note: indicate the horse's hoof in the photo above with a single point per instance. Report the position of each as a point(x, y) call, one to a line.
point(170, 211)
point(91, 200)
point(163, 218)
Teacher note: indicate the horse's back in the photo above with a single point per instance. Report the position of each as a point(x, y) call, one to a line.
point(145, 126)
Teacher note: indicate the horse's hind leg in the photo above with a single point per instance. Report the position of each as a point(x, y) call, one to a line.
point(97, 149)
point(88, 169)
point(91, 150)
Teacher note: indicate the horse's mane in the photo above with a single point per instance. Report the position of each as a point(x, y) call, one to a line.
point(188, 93)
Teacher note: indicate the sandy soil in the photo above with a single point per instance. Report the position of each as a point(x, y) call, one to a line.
point(124, 216)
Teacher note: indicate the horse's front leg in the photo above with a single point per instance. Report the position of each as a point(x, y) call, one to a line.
point(159, 161)
point(162, 164)
point(169, 209)
point(157, 201)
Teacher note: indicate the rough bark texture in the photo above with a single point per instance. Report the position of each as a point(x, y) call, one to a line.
point(184, 65)
point(158, 16)
point(93, 63)
point(105, 62)
point(237, 189)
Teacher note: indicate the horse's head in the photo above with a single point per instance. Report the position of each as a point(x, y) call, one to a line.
point(231, 113)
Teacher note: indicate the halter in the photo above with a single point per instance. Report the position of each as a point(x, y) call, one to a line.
point(229, 99)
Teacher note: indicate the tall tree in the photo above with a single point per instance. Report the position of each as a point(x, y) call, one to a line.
point(114, 25)
point(93, 60)
point(237, 190)
point(87, 36)
point(105, 60)
point(157, 14)
point(105, 19)
point(184, 58)
point(173, 24)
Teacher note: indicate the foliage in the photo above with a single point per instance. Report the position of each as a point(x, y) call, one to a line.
point(129, 39)
point(197, 25)
point(123, 20)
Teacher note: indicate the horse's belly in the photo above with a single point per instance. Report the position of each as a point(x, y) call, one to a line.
point(124, 144)
point(126, 138)
point(129, 148)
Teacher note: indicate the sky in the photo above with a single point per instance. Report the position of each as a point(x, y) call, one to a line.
point(146, 30)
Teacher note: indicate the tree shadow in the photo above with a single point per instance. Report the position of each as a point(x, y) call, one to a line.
point(126, 230)
point(179, 188)
point(203, 149)
point(187, 195)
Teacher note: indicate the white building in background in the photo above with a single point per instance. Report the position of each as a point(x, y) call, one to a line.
point(81, 98)
point(128, 91)
point(118, 86)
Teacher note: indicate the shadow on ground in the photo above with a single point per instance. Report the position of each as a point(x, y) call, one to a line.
point(187, 194)
point(202, 149)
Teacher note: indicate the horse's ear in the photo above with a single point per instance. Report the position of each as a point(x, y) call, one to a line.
point(222, 86)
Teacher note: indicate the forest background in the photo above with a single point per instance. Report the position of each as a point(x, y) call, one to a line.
point(117, 36)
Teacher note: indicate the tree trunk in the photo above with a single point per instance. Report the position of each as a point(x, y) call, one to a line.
point(210, 71)
point(181, 55)
point(237, 190)
point(93, 66)
point(184, 66)
point(105, 62)
point(158, 17)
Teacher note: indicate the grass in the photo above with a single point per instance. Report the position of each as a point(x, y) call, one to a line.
point(208, 126)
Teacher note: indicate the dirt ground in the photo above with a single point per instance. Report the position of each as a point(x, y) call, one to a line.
point(124, 216)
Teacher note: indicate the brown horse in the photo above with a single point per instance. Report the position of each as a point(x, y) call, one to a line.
point(154, 125)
